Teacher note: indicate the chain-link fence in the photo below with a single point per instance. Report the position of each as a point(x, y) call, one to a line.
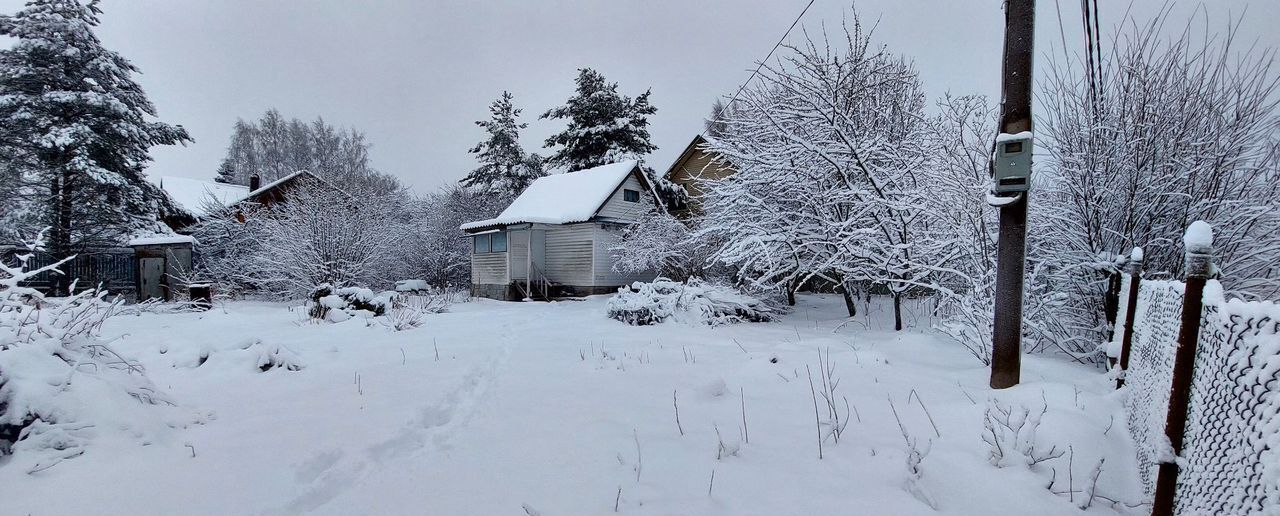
point(1155, 333)
point(1230, 457)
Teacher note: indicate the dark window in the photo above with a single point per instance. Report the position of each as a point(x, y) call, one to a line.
point(631, 196)
point(481, 244)
point(1013, 147)
point(500, 242)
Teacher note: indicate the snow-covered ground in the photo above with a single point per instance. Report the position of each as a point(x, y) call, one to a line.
point(554, 409)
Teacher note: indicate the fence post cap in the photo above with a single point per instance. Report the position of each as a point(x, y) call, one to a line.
point(1199, 237)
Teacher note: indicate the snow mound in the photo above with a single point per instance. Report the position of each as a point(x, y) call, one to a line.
point(694, 301)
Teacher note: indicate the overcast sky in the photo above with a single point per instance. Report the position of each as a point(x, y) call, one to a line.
point(415, 75)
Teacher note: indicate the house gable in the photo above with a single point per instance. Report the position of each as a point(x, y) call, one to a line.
point(618, 209)
point(695, 167)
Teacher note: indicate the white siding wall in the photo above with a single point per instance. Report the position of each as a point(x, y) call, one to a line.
point(606, 237)
point(518, 251)
point(569, 254)
point(616, 208)
point(489, 268)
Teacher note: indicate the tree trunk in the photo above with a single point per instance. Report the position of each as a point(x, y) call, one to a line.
point(59, 245)
point(791, 295)
point(848, 300)
point(897, 311)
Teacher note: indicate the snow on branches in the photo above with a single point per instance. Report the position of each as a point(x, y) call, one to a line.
point(61, 385)
point(831, 148)
point(318, 235)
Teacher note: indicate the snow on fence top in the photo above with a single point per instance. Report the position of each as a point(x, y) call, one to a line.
point(193, 195)
point(562, 198)
point(1199, 237)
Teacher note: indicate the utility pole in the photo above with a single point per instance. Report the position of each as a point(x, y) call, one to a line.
point(1015, 118)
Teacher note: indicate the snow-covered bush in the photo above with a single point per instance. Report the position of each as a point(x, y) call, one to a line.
point(410, 311)
point(339, 304)
point(317, 234)
point(662, 243)
point(60, 383)
point(1011, 435)
point(691, 301)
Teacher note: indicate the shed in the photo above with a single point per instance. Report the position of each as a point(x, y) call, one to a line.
point(161, 261)
point(554, 239)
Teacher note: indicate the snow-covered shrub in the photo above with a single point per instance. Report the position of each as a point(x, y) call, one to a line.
point(340, 304)
point(410, 311)
point(318, 234)
point(662, 243)
point(692, 301)
point(1011, 435)
point(60, 384)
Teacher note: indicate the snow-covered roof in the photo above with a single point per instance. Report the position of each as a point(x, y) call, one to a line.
point(249, 195)
point(193, 194)
point(161, 240)
point(562, 198)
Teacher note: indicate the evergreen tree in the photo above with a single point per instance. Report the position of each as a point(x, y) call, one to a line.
point(75, 130)
point(604, 126)
point(504, 168)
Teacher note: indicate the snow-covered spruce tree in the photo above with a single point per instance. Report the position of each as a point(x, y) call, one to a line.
point(604, 125)
point(830, 146)
point(505, 170)
point(75, 130)
point(1184, 129)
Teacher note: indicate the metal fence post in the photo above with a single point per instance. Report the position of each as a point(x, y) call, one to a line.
point(1199, 263)
point(1131, 307)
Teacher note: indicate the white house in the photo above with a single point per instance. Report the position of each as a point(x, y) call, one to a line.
point(555, 237)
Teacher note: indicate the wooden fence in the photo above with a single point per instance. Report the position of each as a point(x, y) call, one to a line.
point(1202, 375)
point(115, 269)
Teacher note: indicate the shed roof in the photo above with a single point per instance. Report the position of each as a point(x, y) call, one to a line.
point(563, 198)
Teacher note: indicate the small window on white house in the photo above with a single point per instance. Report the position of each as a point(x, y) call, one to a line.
point(500, 242)
point(631, 196)
point(481, 244)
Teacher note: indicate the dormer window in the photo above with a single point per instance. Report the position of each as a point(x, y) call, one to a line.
point(631, 195)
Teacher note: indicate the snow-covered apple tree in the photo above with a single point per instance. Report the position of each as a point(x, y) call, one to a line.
point(1179, 128)
point(831, 148)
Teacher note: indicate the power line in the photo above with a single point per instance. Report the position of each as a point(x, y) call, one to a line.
point(761, 63)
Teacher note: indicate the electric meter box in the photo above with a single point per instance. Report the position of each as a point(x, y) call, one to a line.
point(1013, 162)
